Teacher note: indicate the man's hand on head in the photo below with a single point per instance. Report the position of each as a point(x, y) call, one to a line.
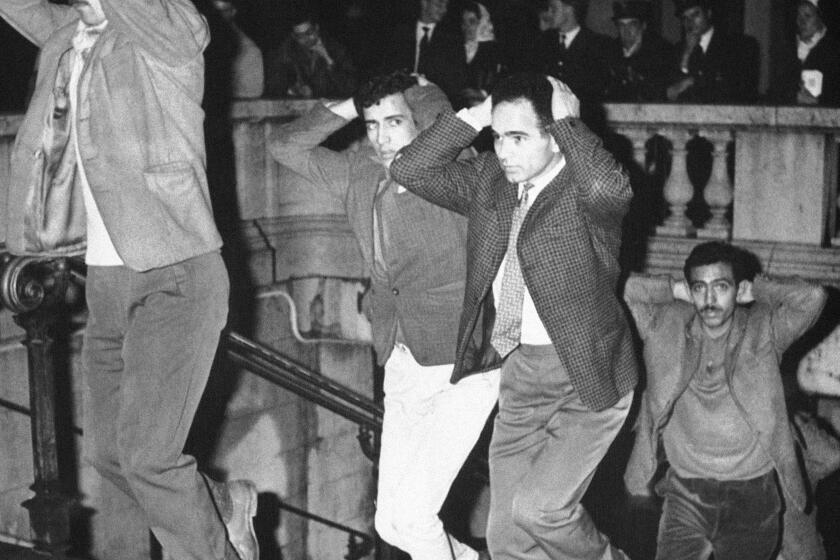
point(345, 109)
point(745, 292)
point(481, 114)
point(681, 290)
point(564, 103)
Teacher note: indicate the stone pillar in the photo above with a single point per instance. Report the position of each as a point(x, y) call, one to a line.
point(678, 188)
point(718, 191)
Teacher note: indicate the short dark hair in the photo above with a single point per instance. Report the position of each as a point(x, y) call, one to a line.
point(713, 252)
point(530, 86)
point(301, 13)
point(681, 6)
point(579, 6)
point(380, 87)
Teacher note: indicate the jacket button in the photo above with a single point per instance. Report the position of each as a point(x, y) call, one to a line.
point(395, 291)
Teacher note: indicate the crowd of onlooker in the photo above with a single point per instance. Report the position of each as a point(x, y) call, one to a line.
point(325, 49)
point(465, 46)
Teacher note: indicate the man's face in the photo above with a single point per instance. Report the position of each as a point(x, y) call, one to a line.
point(469, 25)
point(432, 11)
point(696, 21)
point(808, 21)
point(714, 295)
point(390, 126)
point(562, 15)
point(90, 11)
point(306, 34)
point(524, 148)
point(630, 31)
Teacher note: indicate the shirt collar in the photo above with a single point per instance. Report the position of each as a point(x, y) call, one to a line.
point(804, 47)
point(706, 38)
point(419, 29)
point(542, 180)
point(570, 35)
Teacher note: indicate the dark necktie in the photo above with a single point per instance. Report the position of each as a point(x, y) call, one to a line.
point(695, 59)
point(423, 51)
point(507, 329)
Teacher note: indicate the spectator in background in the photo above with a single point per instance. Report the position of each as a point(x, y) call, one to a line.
point(573, 53)
point(309, 64)
point(711, 65)
point(482, 53)
point(427, 46)
point(638, 58)
point(246, 67)
point(810, 71)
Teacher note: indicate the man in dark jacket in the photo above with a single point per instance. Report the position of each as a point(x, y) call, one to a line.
point(415, 254)
point(714, 403)
point(638, 58)
point(573, 53)
point(711, 65)
point(429, 46)
point(545, 215)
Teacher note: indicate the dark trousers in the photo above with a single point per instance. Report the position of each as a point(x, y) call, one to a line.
point(149, 344)
point(735, 520)
point(545, 448)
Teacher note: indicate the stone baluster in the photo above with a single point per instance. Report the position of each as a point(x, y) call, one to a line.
point(718, 191)
point(678, 189)
point(638, 138)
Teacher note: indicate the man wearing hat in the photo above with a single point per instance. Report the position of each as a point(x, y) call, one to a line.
point(809, 74)
point(711, 66)
point(638, 58)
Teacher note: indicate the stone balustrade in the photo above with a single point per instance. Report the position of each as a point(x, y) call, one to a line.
point(773, 169)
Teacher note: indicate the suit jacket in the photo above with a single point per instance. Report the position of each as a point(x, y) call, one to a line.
point(825, 57)
point(140, 134)
point(726, 73)
point(568, 248)
point(446, 63)
point(642, 76)
point(672, 338)
point(426, 267)
point(583, 66)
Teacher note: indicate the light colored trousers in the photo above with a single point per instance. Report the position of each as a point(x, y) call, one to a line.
point(546, 446)
point(149, 344)
point(429, 428)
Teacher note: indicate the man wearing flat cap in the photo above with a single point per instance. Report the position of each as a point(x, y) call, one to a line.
point(711, 65)
point(638, 58)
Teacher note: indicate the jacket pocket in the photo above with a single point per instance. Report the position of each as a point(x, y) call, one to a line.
point(178, 190)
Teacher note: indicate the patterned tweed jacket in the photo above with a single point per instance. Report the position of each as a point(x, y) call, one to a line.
point(568, 248)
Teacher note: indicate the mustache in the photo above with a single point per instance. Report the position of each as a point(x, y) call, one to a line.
point(710, 308)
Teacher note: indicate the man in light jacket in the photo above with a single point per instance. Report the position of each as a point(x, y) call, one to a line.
point(109, 163)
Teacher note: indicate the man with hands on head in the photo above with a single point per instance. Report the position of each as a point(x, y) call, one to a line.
point(545, 215)
point(714, 403)
point(109, 163)
point(414, 252)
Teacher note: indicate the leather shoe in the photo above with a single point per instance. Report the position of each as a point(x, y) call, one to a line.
point(240, 528)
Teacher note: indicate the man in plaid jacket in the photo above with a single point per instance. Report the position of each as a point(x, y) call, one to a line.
point(569, 370)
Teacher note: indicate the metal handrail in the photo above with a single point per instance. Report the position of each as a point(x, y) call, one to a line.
point(314, 386)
